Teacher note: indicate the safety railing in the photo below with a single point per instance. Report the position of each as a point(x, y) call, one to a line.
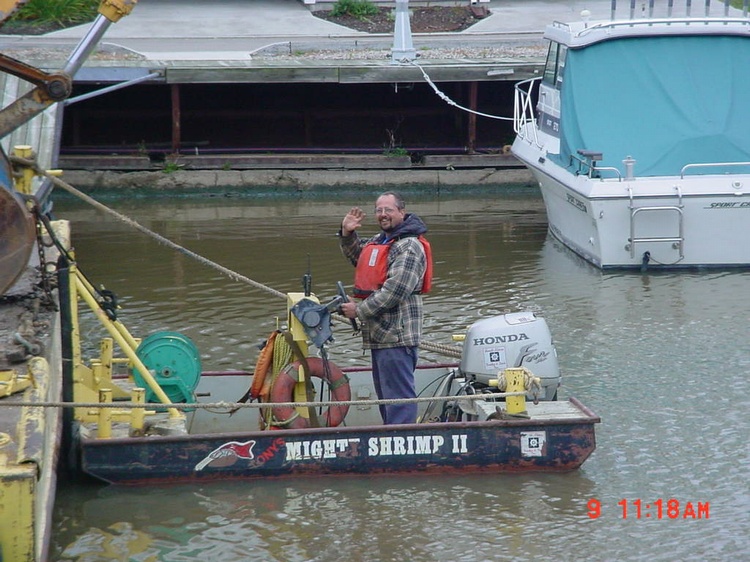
point(640, 6)
point(524, 113)
point(713, 165)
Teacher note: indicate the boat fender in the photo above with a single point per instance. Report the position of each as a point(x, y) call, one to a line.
point(265, 360)
point(287, 417)
point(262, 366)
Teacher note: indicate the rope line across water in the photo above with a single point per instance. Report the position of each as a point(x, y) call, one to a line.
point(130, 222)
point(256, 405)
point(449, 351)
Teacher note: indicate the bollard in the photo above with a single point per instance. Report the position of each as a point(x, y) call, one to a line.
point(403, 47)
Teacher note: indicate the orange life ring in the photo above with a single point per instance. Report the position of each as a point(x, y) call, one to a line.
point(262, 366)
point(283, 391)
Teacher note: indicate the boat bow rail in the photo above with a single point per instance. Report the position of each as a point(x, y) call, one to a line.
point(524, 114)
point(580, 35)
point(584, 32)
point(724, 168)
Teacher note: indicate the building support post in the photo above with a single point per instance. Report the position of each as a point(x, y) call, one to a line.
point(471, 141)
point(176, 119)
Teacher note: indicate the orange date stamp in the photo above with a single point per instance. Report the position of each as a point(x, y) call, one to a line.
point(655, 509)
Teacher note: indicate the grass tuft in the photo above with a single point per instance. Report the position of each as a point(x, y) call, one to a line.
point(357, 8)
point(59, 12)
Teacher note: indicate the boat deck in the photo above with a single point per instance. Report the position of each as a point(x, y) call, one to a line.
point(29, 436)
point(543, 411)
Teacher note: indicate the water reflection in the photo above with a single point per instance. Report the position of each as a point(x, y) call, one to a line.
point(331, 518)
point(662, 358)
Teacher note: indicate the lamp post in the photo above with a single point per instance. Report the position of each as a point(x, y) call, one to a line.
point(403, 48)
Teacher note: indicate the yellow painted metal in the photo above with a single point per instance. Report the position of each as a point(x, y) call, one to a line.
point(24, 461)
point(138, 415)
point(12, 382)
point(89, 382)
point(24, 175)
point(103, 368)
point(7, 7)
point(85, 386)
point(17, 531)
point(133, 416)
point(515, 382)
point(299, 336)
point(295, 326)
point(29, 453)
point(114, 10)
point(116, 324)
point(104, 426)
point(123, 338)
point(300, 391)
point(83, 382)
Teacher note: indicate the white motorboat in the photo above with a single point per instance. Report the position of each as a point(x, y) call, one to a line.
point(638, 134)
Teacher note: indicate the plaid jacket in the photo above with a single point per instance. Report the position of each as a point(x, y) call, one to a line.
point(392, 315)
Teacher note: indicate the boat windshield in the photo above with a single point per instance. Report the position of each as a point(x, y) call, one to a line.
point(555, 65)
point(664, 101)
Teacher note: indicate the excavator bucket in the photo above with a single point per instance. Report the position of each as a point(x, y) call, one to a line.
point(17, 229)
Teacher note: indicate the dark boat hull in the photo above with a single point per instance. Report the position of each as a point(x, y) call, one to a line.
point(548, 445)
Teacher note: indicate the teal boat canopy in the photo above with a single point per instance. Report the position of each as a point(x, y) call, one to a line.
point(664, 101)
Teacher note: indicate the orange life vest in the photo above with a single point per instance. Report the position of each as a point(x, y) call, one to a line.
point(372, 268)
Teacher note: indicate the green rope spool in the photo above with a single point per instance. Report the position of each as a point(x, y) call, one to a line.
point(174, 362)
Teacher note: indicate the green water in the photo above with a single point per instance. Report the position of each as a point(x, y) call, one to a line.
point(662, 358)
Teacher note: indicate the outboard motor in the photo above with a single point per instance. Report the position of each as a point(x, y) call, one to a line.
point(511, 340)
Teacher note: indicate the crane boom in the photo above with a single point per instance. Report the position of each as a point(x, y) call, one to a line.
point(17, 227)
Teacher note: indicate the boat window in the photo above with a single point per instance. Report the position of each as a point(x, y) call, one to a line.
point(550, 67)
point(555, 65)
point(560, 66)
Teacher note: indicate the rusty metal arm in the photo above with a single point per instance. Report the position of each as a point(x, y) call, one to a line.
point(50, 89)
point(53, 87)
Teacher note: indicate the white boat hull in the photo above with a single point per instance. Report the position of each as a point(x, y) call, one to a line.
point(637, 135)
point(677, 222)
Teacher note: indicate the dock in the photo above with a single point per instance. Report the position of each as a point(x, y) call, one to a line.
point(30, 373)
point(169, 88)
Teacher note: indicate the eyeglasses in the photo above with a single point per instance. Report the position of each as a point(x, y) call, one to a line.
point(385, 211)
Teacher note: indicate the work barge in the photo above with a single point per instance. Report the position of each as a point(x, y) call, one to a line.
point(31, 354)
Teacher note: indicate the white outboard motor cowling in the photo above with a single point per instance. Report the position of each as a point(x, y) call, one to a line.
point(511, 340)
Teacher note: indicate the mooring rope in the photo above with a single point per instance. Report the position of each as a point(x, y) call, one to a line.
point(530, 382)
point(130, 222)
point(449, 351)
point(443, 96)
point(443, 349)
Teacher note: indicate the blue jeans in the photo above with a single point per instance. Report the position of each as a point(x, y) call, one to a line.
point(393, 375)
